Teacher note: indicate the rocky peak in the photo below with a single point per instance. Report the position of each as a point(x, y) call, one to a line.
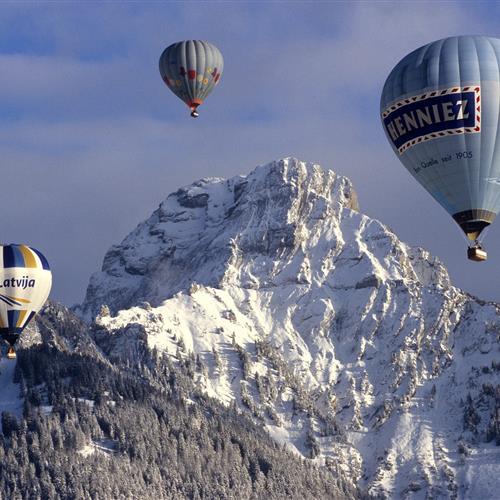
point(200, 231)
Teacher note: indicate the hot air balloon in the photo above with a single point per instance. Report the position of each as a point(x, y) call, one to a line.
point(191, 69)
point(440, 110)
point(25, 282)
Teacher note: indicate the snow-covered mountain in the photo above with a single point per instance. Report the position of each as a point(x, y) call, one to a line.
point(348, 345)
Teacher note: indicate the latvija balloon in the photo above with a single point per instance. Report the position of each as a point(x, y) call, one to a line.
point(25, 282)
point(191, 69)
point(440, 110)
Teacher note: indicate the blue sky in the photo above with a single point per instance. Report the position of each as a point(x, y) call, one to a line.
point(92, 141)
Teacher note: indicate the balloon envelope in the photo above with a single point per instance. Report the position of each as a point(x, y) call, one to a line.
point(440, 109)
point(25, 282)
point(191, 69)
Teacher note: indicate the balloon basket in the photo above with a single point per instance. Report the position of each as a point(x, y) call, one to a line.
point(477, 254)
point(11, 354)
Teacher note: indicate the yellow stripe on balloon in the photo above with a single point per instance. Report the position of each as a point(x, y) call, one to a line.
point(29, 258)
point(20, 319)
point(19, 299)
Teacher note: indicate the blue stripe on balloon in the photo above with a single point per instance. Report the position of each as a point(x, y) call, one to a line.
point(30, 317)
point(45, 264)
point(12, 256)
point(18, 256)
point(8, 257)
point(13, 315)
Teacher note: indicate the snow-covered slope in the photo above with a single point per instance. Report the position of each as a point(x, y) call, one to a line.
point(350, 346)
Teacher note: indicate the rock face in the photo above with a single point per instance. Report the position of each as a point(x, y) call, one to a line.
point(242, 231)
point(347, 344)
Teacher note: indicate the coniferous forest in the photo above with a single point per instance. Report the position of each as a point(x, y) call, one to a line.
point(99, 429)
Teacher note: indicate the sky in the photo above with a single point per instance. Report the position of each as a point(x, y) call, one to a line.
point(91, 140)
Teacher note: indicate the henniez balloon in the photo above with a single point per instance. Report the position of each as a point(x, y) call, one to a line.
point(25, 282)
point(440, 110)
point(191, 69)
